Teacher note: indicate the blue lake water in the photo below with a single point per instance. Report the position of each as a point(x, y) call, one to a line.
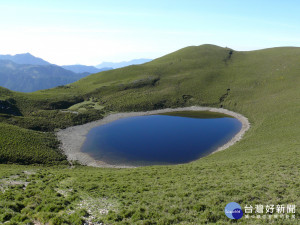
point(172, 138)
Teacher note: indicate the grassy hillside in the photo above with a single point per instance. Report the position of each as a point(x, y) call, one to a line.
point(26, 146)
point(263, 168)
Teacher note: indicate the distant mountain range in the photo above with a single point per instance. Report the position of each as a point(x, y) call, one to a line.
point(27, 73)
point(123, 64)
point(26, 58)
point(29, 78)
point(85, 69)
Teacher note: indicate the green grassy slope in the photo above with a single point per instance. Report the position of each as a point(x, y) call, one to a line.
point(263, 168)
point(26, 146)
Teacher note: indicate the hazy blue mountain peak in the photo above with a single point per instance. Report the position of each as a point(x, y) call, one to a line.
point(28, 78)
point(85, 69)
point(116, 65)
point(24, 58)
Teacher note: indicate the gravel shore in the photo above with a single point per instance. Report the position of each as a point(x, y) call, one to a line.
point(72, 138)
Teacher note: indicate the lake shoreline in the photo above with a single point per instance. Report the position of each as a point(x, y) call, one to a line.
point(72, 138)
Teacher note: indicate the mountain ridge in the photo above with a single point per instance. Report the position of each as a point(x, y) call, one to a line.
point(83, 69)
point(29, 78)
point(116, 65)
point(35, 74)
point(25, 58)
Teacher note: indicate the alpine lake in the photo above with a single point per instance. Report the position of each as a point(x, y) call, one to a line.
point(161, 139)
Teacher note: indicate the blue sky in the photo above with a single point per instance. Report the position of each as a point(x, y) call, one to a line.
point(89, 32)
